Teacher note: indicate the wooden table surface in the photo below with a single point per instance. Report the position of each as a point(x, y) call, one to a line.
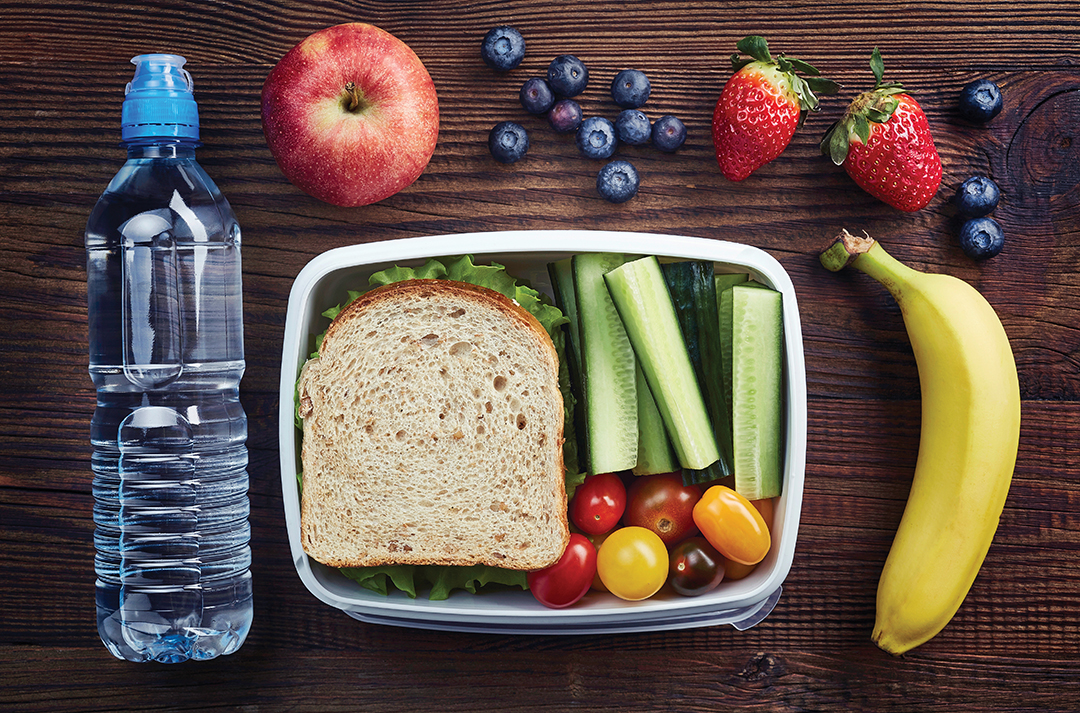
point(1015, 643)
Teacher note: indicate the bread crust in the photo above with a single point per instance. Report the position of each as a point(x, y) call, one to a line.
point(350, 473)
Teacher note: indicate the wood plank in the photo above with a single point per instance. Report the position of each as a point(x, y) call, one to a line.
point(611, 673)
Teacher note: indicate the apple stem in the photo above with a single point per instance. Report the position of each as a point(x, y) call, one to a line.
point(354, 100)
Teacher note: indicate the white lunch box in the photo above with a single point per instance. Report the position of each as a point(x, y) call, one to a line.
point(743, 603)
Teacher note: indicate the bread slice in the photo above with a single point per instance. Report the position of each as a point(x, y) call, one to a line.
point(433, 432)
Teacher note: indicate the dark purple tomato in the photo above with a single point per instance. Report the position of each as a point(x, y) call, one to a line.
point(566, 581)
point(695, 567)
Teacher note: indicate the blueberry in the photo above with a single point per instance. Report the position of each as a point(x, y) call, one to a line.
point(976, 197)
point(630, 88)
point(596, 137)
point(503, 48)
point(981, 238)
point(536, 96)
point(567, 75)
point(508, 142)
point(980, 101)
point(618, 181)
point(565, 116)
point(633, 127)
point(668, 133)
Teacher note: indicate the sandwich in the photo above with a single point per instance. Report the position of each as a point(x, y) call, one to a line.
point(433, 428)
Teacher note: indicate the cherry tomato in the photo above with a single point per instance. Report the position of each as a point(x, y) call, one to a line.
point(736, 570)
point(633, 563)
point(598, 541)
point(766, 508)
point(664, 505)
point(695, 567)
point(598, 503)
point(566, 581)
point(732, 525)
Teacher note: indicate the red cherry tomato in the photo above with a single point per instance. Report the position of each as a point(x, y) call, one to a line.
point(598, 503)
point(662, 503)
point(732, 525)
point(695, 567)
point(566, 581)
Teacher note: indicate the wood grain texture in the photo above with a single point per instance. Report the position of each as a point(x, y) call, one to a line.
point(1015, 643)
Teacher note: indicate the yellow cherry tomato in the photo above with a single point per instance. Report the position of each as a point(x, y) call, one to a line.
point(632, 563)
point(732, 525)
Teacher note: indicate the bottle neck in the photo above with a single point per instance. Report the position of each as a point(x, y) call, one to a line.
point(161, 147)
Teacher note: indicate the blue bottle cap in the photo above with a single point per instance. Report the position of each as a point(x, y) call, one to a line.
point(159, 102)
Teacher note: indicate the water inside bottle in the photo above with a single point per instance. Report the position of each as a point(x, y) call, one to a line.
point(169, 433)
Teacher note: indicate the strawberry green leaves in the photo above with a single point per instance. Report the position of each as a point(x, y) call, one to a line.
point(806, 88)
point(877, 66)
point(873, 107)
point(756, 47)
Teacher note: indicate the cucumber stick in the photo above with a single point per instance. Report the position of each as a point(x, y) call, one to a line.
point(562, 283)
point(608, 366)
point(726, 280)
point(692, 286)
point(754, 341)
point(655, 454)
point(641, 296)
point(723, 284)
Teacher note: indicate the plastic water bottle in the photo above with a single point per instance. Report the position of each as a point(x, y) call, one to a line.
point(166, 356)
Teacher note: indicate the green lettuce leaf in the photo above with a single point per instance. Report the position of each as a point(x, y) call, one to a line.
point(574, 474)
point(377, 579)
point(493, 276)
point(442, 580)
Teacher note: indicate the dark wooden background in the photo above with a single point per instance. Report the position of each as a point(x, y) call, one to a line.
point(1015, 643)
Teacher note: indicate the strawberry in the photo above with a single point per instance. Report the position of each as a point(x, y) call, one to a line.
point(761, 106)
point(883, 142)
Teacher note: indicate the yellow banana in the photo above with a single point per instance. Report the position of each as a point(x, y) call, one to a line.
point(967, 446)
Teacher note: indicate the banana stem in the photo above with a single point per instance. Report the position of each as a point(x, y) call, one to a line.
point(844, 250)
point(866, 255)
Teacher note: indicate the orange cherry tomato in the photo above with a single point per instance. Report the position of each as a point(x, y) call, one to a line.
point(734, 571)
point(766, 507)
point(598, 540)
point(732, 525)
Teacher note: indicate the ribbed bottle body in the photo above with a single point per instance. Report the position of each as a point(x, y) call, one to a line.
point(169, 433)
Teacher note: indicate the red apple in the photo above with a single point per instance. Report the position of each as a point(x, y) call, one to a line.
point(351, 115)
